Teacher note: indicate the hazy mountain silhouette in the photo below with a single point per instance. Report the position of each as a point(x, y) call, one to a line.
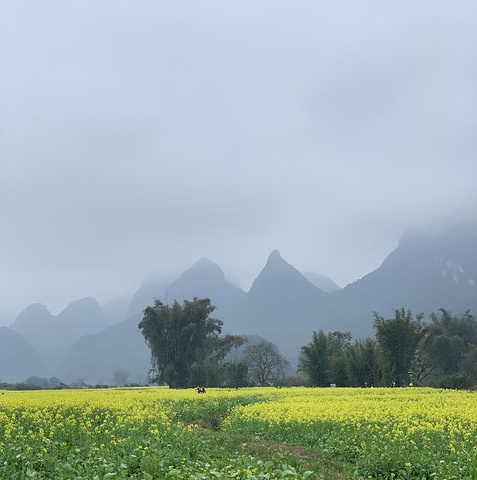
point(424, 273)
point(53, 336)
point(115, 310)
point(18, 359)
point(95, 358)
point(204, 279)
point(279, 277)
point(282, 305)
point(147, 292)
point(321, 281)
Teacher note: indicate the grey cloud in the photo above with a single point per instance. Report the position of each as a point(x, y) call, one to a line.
point(138, 137)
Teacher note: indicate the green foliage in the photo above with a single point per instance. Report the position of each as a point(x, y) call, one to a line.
point(314, 359)
point(442, 352)
point(449, 338)
point(185, 342)
point(458, 381)
point(324, 359)
point(364, 363)
point(398, 339)
point(236, 374)
point(469, 362)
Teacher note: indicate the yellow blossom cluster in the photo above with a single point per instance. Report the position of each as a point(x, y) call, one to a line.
point(156, 432)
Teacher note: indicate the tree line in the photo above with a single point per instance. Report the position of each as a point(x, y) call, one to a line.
point(188, 349)
point(405, 350)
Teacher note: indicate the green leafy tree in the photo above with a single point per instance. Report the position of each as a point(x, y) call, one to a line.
point(364, 363)
point(313, 360)
point(448, 339)
point(185, 342)
point(468, 364)
point(398, 338)
point(324, 360)
point(338, 345)
point(236, 374)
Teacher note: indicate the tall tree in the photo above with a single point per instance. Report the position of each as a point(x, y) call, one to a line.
point(266, 364)
point(398, 339)
point(364, 363)
point(324, 360)
point(184, 341)
point(236, 374)
point(448, 339)
point(338, 345)
point(313, 361)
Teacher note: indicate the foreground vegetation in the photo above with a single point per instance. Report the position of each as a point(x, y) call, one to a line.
point(267, 433)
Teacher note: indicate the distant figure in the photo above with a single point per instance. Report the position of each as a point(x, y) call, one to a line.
point(393, 384)
point(200, 389)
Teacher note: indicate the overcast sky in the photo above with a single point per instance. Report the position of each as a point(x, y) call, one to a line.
point(139, 136)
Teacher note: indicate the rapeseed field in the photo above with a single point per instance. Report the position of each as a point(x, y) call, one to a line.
point(257, 433)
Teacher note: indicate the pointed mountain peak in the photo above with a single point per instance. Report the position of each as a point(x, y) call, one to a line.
point(276, 261)
point(279, 274)
point(275, 256)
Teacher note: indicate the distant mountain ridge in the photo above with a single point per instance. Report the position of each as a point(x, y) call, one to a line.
point(424, 273)
point(321, 281)
point(281, 305)
point(18, 359)
point(95, 358)
point(54, 335)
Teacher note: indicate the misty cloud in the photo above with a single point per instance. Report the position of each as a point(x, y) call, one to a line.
point(137, 138)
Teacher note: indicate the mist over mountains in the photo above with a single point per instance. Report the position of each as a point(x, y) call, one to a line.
point(424, 273)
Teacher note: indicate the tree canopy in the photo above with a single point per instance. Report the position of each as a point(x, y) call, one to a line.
point(398, 339)
point(185, 342)
point(442, 352)
point(323, 359)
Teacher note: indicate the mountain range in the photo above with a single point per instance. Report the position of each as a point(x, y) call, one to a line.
point(424, 273)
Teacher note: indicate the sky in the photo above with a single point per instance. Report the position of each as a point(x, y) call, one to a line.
point(137, 137)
